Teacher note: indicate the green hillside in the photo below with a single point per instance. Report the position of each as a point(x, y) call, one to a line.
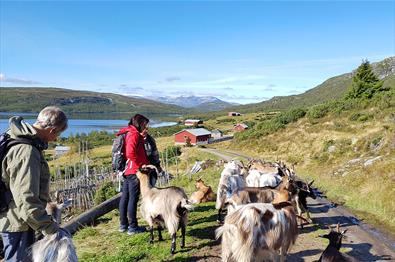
point(81, 102)
point(332, 89)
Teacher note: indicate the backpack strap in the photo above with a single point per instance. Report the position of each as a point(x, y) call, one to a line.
point(18, 141)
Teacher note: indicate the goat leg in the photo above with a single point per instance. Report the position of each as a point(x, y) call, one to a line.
point(308, 216)
point(173, 243)
point(183, 236)
point(151, 235)
point(160, 233)
point(219, 219)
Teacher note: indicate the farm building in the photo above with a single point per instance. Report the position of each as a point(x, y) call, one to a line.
point(193, 122)
point(61, 150)
point(240, 127)
point(234, 114)
point(194, 136)
point(216, 133)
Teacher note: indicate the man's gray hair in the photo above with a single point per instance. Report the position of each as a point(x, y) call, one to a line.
point(52, 116)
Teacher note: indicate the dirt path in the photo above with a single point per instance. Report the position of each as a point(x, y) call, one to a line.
point(363, 241)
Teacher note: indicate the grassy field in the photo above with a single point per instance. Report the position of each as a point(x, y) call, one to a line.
point(104, 243)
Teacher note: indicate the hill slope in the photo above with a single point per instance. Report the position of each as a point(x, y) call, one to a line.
point(331, 89)
point(72, 101)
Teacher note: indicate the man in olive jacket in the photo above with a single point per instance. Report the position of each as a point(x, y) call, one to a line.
point(25, 172)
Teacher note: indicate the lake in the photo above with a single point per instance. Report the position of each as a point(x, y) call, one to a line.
point(89, 125)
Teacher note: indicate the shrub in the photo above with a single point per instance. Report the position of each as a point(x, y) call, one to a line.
point(171, 153)
point(104, 192)
point(318, 111)
point(361, 117)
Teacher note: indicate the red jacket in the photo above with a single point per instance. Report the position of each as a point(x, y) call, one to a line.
point(134, 150)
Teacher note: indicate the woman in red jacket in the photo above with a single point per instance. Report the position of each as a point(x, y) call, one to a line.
point(136, 157)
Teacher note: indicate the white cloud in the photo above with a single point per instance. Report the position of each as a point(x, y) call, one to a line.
point(172, 78)
point(18, 81)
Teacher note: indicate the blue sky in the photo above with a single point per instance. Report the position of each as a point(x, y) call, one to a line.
point(243, 52)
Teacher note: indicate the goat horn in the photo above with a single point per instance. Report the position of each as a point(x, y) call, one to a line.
point(338, 228)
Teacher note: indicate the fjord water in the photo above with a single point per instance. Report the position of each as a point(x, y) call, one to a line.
point(88, 125)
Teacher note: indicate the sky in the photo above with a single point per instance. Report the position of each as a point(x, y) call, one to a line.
point(238, 51)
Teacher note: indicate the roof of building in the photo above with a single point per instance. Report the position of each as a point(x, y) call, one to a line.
point(192, 120)
point(62, 148)
point(196, 131)
point(216, 131)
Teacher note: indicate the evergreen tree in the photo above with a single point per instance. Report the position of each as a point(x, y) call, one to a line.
point(364, 83)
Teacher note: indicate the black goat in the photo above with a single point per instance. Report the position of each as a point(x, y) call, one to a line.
point(332, 253)
point(304, 190)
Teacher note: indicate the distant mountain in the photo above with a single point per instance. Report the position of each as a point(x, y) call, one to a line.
point(333, 88)
point(199, 103)
point(18, 99)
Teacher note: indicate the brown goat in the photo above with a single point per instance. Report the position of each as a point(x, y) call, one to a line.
point(262, 195)
point(203, 194)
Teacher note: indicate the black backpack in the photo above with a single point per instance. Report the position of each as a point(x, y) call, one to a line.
point(6, 142)
point(118, 157)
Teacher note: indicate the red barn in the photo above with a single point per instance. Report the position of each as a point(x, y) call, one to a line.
point(240, 127)
point(195, 136)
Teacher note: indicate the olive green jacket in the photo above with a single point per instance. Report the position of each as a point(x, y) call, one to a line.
point(25, 171)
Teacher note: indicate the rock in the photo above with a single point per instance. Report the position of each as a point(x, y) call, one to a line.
point(331, 149)
point(371, 161)
point(354, 161)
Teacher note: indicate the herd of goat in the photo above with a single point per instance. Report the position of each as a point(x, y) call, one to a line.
point(264, 203)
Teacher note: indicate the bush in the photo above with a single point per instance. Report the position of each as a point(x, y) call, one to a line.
point(104, 192)
point(318, 111)
point(361, 117)
point(172, 153)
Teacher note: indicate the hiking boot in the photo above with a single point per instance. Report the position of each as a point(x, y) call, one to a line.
point(136, 230)
point(122, 228)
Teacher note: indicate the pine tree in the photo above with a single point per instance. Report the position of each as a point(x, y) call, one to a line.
point(364, 83)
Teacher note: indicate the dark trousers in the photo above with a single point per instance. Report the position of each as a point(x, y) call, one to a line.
point(128, 202)
point(17, 245)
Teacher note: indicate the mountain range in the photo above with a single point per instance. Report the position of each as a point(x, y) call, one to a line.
point(200, 103)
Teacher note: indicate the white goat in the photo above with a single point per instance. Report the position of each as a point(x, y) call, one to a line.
point(163, 206)
point(57, 247)
point(257, 231)
point(256, 178)
point(231, 180)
